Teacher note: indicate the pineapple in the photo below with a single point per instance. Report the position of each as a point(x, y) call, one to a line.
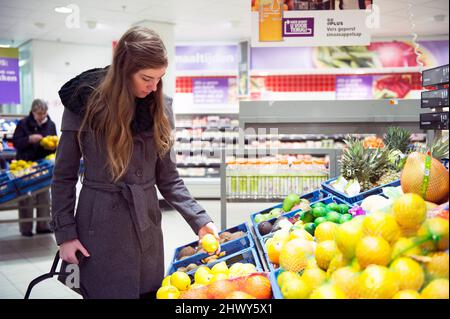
point(438, 150)
point(397, 138)
point(365, 165)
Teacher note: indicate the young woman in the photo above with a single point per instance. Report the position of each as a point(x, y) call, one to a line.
point(118, 120)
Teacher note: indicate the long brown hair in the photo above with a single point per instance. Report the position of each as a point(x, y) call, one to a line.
point(110, 108)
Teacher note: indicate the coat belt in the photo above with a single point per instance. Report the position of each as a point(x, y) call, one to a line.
point(135, 195)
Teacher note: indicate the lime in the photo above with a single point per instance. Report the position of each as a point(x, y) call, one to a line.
point(333, 216)
point(345, 218)
point(258, 218)
point(307, 217)
point(333, 207)
point(310, 227)
point(319, 221)
point(343, 208)
point(319, 204)
point(319, 212)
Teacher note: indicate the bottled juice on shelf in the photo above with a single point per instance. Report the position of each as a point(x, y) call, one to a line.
point(231, 180)
point(271, 20)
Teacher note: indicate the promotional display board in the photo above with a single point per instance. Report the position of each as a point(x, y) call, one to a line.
point(9, 76)
point(311, 23)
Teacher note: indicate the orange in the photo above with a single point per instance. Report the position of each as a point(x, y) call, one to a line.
point(294, 256)
point(258, 286)
point(239, 295)
point(325, 252)
point(325, 231)
point(407, 294)
point(409, 210)
point(220, 289)
point(348, 235)
point(436, 289)
point(377, 282)
point(373, 250)
point(197, 293)
point(381, 224)
point(437, 230)
point(273, 250)
point(409, 272)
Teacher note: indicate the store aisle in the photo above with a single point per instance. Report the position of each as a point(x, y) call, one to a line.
point(23, 259)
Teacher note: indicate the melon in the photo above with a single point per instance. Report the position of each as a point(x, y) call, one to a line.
point(413, 177)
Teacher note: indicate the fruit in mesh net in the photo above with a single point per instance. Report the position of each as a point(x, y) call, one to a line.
point(328, 291)
point(347, 236)
point(413, 177)
point(220, 289)
point(436, 231)
point(239, 295)
point(436, 289)
point(296, 288)
point(373, 250)
point(293, 256)
point(325, 231)
point(409, 211)
point(346, 279)
point(381, 224)
point(258, 286)
point(405, 247)
point(407, 294)
point(437, 265)
point(325, 252)
point(314, 276)
point(409, 273)
point(377, 282)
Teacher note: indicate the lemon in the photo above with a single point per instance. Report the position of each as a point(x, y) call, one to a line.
point(168, 292)
point(337, 262)
point(437, 230)
point(281, 235)
point(285, 276)
point(166, 281)
point(373, 250)
point(180, 280)
point(346, 279)
point(409, 272)
point(294, 255)
point(325, 231)
point(348, 235)
point(325, 252)
point(203, 275)
point(237, 270)
point(249, 268)
point(381, 224)
point(209, 243)
point(409, 210)
point(407, 294)
point(377, 282)
point(314, 276)
point(436, 289)
point(437, 266)
point(328, 291)
point(220, 268)
point(296, 288)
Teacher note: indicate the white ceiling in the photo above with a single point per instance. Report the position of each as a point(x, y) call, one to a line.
point(194, 20)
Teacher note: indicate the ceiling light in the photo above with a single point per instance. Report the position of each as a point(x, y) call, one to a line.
point(5, 46)
point(64, 10)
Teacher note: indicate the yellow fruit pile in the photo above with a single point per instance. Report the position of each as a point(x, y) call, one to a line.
point(19, 168)
point(179, 284)
point(51, 157)
point(393, 254)
point(49, 142)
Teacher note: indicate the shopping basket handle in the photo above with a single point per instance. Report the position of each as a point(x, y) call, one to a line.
point(52, 273)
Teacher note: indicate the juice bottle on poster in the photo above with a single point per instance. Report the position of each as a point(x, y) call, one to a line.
point(271, 20)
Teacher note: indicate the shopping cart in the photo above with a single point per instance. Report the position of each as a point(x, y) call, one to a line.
point(48, 275)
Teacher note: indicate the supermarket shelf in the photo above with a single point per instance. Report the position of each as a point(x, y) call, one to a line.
point(201, 187)
point(200, 165)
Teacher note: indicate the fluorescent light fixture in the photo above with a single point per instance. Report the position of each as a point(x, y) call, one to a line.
point(5, 46)
point(64, 10)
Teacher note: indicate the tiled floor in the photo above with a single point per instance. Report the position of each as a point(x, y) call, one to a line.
point(23, 259)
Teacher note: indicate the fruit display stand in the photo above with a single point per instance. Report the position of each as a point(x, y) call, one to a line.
point(7, 189)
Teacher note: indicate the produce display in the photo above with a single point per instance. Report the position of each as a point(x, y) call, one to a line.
point(19, 168)
point(239, 281)
point(394, 254)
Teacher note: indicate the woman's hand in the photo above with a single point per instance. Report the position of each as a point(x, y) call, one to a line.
point(68, 250)
point(209, 228)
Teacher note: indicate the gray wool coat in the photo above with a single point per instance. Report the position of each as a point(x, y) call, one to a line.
point(119, 224)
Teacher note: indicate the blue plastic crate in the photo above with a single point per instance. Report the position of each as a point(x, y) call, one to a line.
point(230, 248)
point(353, 199)
point(42, 177)
point(311, 197)
point(8, 190)
point(276, 292)
point(248, 255)
point(445, 162)
point(242, 227)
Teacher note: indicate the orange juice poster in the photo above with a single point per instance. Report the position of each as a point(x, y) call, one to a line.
point(292, 23)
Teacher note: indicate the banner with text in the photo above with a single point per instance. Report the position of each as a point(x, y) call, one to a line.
point(210, 90)
point(9, 76)
point(311, 23)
